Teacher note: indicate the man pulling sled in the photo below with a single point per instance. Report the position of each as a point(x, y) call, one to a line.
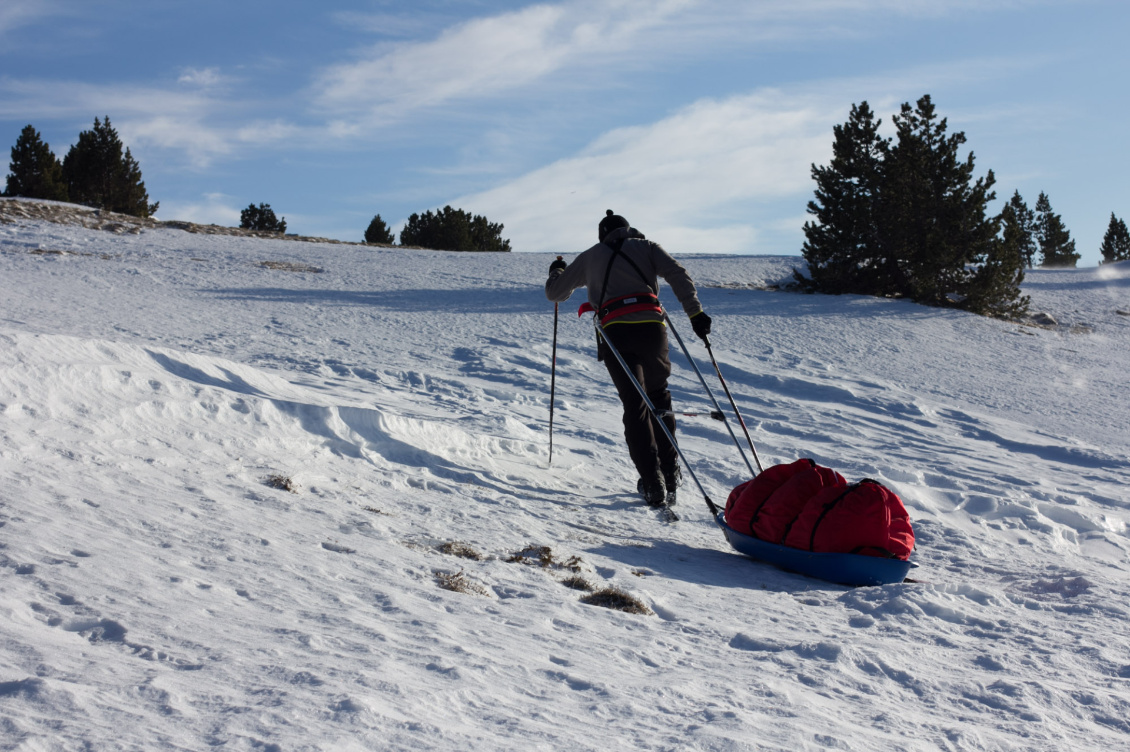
point(621, 275)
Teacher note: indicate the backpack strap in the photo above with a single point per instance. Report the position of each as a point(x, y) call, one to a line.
point(608, 307)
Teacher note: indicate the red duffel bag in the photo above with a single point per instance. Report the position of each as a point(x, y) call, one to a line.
point(804, 505)
point(863, 518)
point(773, 520)
point(746, 500)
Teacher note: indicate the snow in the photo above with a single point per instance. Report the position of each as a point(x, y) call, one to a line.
point(157, 593)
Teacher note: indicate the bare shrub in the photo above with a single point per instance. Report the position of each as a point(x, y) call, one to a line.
point(618, 600)
point(458, 582)
point(576, 582)
point(290, 266)
point(282, 483)
point(462, 550)
point(543, 557)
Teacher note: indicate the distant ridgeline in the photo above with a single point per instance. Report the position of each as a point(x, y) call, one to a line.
point(100, 172)
point(12, 209)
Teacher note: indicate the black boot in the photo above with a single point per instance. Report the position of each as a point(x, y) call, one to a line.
point(672, 479)
point(652, 490)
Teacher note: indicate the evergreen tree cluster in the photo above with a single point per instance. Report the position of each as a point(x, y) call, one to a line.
point(453, 230)
point(1040, 233)
point(261, 218)
point(444, 230)
point(98, 171)
point(905, 217)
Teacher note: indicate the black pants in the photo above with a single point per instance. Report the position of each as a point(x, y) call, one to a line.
point(644, 349)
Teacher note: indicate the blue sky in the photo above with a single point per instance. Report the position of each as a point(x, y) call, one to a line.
point(697, 119)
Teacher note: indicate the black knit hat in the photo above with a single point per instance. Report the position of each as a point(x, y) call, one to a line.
point(609, 223)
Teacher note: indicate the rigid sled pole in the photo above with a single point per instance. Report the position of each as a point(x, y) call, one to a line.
point(732, 403)
point(552, 383)
point(715, 414)
point(710, 394)
point(657, 419)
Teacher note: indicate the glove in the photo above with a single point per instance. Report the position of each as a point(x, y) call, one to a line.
point(558, 264)
point(700, 322)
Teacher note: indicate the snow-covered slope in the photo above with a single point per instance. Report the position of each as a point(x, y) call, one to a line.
point(157, 593)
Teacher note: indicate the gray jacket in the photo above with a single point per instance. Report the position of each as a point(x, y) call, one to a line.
point(588, 270)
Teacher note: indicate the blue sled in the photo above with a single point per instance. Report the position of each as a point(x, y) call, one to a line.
point(842, 569)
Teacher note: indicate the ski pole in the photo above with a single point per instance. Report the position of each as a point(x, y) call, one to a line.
point(552, 382)
point(715, 414)
point(734, 405)
point(710, 394)
point(655, 415)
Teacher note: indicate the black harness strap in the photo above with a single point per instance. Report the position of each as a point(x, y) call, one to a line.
point(616, 247)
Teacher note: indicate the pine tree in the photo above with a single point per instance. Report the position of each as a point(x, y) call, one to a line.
point(100, 173)
point(378, 232)
point(934, 226)
point(1057, 249)
point(453, 230)
point(1116, 241)
point(261, 218)
point(35, 170)
point(840, 244)
point(994, 289)
point(1020, 221)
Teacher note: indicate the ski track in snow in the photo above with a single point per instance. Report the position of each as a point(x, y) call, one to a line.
point(158, 593)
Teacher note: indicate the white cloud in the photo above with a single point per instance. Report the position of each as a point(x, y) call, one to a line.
point(17, 13)
point(405, 24)
point(67, 99)
point(487, 56)
point(264, 132)
point(204, 78)
point(507, 53)
point(143, 115)
point(689, 180)
point(200, 144)
point(214, 209)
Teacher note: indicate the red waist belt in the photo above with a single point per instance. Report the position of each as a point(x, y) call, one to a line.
point(622, 306)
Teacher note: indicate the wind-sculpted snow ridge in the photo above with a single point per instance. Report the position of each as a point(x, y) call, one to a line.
point(257, 507)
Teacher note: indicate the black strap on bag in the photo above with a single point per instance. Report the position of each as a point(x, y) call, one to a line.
point(828, 508)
